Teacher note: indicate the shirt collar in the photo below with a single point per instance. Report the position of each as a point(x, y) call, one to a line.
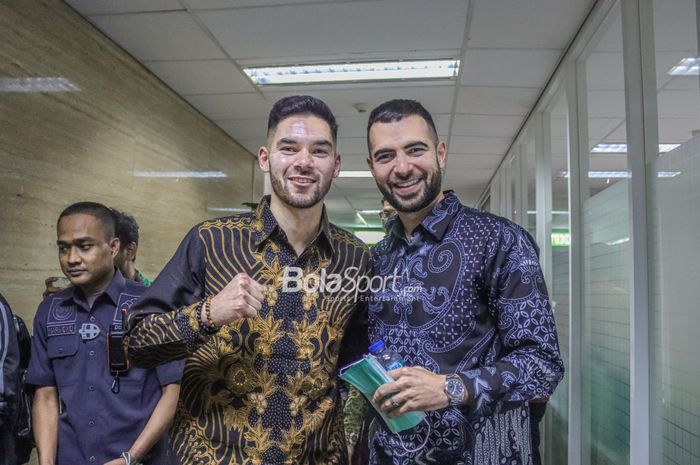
point(115, 288)
point(436, 222)
point(265, 224)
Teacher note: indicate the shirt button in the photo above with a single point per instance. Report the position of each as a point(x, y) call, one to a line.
point(91, 387)
point(92, 458)
point(92, 353)
point(91, 423)
point(92, 318)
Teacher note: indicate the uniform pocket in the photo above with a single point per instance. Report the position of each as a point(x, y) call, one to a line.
point(61, 351)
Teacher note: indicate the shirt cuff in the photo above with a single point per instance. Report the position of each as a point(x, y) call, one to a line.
point(187, 320)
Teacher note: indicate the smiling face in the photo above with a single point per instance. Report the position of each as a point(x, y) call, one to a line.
point(301, 159)
point(85, 252)
point(406, 162)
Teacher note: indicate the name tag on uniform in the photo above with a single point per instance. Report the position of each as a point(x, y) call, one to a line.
point(89, 331)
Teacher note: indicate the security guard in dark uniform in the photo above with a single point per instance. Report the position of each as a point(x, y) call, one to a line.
point(90, 406)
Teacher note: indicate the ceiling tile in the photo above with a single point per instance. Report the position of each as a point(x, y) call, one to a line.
point(352, 145)
point(231, 106)
point(469, 161)
point(356, 126)
point(604, 71)
point(508, 68)
point(496, 101)
point(95, 7)
point(201, 76)
point(436, 99)
point(205, 4)
point(158, 36)
point(675, 130)
point(679, 104)
point(308, 30)
point(540, 24)
point(251, 145)
point(478, 145)
point(606, 103)
point(486, 125)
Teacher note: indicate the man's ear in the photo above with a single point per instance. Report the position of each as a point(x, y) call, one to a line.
point(442, 154)
point(130, 252)
point(114, 244)
point(264, 159)
point(336, 171)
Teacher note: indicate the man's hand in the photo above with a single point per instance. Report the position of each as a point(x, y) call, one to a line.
point(241, 298)
point(415, 388)
point(54, 284)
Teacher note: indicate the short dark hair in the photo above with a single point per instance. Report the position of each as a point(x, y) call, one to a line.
point(104, 215)
point(398, 109)
point(301, 105)
point(127, 229)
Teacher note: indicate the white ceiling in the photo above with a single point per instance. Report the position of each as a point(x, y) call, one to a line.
point(508, 48)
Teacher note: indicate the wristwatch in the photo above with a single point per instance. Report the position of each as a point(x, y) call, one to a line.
point(455, 390)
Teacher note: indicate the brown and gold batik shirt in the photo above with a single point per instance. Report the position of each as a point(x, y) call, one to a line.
point(261, 390)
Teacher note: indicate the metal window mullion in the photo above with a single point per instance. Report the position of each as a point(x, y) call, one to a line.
point(543, 162)
point(642, 144)
point(578, 192)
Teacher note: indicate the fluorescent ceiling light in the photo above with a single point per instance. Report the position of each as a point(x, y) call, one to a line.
point(228, 209)
point(355, 174)
point(37, 84)
point(348, 72)
point(180, 174)
point(619, 174)
point(686, 67)
point(370, 212)
point(622, 148)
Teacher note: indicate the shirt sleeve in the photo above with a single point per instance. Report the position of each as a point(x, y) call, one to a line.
point(163, 323)
point(170, 373)
point(530, 364)
point(40, 371)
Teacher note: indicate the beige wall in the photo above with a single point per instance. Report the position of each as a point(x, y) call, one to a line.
point(59, 148)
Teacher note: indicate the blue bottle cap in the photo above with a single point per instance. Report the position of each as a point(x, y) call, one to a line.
point(376, 347)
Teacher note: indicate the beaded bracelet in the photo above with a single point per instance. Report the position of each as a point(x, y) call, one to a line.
point(209, 327)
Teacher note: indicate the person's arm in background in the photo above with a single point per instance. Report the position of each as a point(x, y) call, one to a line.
point(45, 424)
point(156, 427)
point(354, 413)
point(9, 364)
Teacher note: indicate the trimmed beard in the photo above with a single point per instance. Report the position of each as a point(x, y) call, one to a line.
point(317, 194)
point(431, 191)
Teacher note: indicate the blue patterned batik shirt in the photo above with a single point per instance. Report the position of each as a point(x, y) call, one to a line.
point(467, 296)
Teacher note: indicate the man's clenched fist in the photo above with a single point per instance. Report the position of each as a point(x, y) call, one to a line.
point(241, 298)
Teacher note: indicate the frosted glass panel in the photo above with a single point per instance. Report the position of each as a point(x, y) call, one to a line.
point(675, 221)
point(606, 326)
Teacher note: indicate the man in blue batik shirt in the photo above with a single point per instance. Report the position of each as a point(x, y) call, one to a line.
point(468, 310)
point(85, 410)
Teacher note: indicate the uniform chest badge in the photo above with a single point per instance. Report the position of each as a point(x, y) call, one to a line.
point(89, 331)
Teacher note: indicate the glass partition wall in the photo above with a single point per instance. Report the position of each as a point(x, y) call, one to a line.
point(605, 174)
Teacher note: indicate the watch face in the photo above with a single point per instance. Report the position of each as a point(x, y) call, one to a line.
point(455, 390)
